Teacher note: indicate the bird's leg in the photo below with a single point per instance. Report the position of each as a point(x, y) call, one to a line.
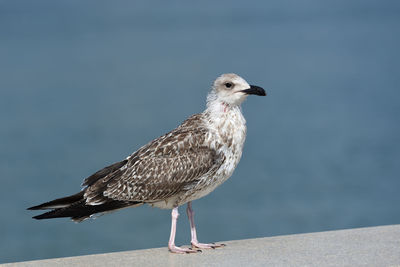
point(194, 241)
point(171, 243)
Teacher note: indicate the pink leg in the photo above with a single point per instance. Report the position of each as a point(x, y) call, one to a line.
point(171, 243)
point(194, 241)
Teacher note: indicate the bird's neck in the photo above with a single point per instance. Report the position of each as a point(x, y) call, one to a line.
point(218, 109)
point(226, 120)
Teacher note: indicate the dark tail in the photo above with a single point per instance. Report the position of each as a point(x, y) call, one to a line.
point(75, 207)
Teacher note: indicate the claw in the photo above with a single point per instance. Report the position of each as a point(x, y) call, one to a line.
point(207, 246)
point(179, 250)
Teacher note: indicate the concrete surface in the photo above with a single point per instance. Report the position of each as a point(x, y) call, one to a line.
point(374, 246)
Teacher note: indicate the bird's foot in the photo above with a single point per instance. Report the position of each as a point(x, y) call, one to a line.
point(179, 250)
point(202, 245)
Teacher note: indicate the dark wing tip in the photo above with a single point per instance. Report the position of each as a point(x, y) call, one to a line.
point(59, 202)
point(38, 207)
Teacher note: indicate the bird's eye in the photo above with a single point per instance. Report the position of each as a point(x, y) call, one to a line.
point(228, 85)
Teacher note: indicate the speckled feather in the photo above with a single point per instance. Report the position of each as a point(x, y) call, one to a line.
point(169, 170)
point(183, 165)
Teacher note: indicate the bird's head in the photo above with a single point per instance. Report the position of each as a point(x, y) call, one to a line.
point(232, 89)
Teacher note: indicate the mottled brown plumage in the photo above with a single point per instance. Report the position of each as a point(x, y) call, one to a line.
point(183, 165)
point(168, 166)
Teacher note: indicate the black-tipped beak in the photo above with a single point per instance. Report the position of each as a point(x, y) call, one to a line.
point(254, 90)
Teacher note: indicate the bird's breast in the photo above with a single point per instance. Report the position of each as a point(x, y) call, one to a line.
point(227, 135)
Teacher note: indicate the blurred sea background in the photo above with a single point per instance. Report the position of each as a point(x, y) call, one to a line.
point(83, 84)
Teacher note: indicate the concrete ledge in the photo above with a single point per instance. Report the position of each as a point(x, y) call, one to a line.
point(373, 246)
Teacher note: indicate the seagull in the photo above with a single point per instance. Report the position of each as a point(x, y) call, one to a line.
point(181, 166)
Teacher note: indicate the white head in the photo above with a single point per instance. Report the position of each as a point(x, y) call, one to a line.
point(231, 89)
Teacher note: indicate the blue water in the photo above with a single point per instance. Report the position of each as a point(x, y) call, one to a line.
point(85, 83)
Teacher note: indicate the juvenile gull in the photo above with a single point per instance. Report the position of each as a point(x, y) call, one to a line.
point(183, 165)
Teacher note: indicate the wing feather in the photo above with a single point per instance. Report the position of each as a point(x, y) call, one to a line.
point(167, 166)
